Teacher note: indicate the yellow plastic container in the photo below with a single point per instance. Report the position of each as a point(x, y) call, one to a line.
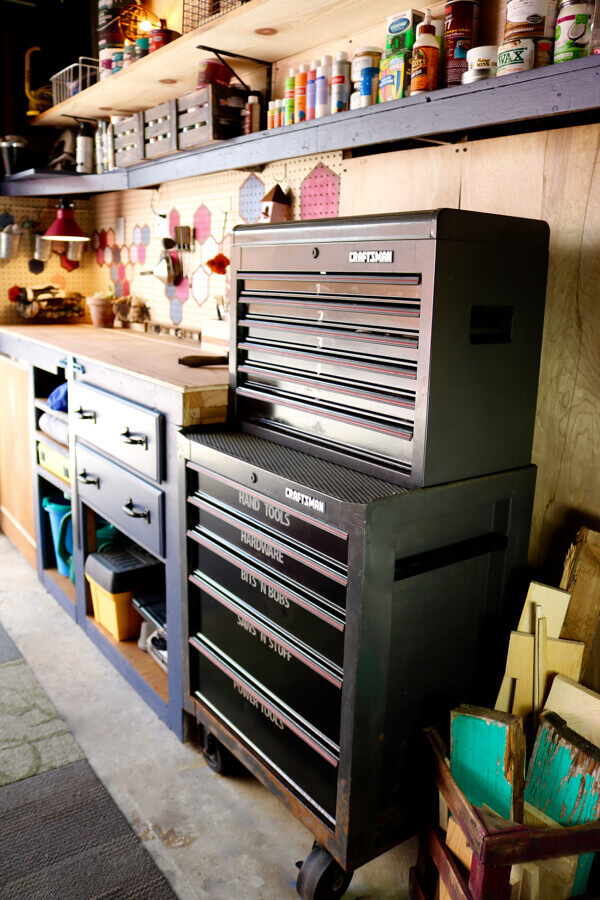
point(115, 612)
point(54, 461)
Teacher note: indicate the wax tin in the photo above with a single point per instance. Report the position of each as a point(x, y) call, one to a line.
point(485, 57)
point(573, 25)
point(516, 56)
point(460, 34)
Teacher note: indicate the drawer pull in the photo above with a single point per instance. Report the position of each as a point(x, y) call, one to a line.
point(82, 413)
point(129, 510)
point(88, 479)
point(128, 438)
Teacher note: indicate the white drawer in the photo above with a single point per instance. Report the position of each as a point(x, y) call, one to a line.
point(135, 507)
point(126, 431)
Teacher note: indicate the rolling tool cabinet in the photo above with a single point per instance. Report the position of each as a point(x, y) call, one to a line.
point(350, 558)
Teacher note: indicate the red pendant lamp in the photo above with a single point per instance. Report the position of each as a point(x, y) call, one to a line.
point(64, 227)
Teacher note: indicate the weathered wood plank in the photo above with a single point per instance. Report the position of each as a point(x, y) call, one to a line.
point(487, 758)
point(577, 705)
point(563, 780)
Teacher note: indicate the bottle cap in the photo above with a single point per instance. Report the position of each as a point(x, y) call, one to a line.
point(272, 104)
point(426, 27)
point(252, 98)
point(368, 50)
point(314, 64)
point(342, 56)
point(326, 60)
point(304, 69)
point(292, 73)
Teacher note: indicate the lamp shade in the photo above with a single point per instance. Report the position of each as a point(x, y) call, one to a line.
point(64, 227)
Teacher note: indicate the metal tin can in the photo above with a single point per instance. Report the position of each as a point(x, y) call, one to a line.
point(516, 56)
point(461, 26)
point(485, 57)
point(544, 48)
point(472, 75)
point(573, 25)
point(530, 18)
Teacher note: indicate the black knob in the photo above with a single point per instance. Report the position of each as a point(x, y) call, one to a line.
point(315, 252)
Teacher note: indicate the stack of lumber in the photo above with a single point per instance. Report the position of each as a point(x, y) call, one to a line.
point(550, 691)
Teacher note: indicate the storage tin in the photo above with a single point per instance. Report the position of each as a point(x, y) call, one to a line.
point(482, 58)
point(573, 25)
point(530, 18)
point(460, 34)
point(516, 56)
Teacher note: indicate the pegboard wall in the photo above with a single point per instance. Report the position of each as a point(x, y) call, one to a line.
point(125, 243)
point(17, 271)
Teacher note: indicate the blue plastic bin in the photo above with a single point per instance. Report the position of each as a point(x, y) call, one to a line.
point(57, 508)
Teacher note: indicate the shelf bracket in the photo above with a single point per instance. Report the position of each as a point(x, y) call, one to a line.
point(261, 62)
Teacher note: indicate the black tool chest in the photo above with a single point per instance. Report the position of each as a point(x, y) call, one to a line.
point(333, 613)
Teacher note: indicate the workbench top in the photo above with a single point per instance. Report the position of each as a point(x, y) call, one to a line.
point(152, 357)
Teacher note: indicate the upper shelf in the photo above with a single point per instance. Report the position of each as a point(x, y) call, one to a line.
point(169, 72)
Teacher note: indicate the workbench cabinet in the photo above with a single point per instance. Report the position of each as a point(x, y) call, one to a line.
point(331, 614)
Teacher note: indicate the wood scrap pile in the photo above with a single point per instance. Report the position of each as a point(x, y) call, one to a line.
point(549, 699)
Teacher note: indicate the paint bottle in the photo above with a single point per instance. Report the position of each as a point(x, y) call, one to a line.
point(425, 58)
point(340, 83)
point(84, 149)
point(311, 89)
point(271, 115)
point(300, 95)
point(288, 105)
point(323, 97)
point(278, 113)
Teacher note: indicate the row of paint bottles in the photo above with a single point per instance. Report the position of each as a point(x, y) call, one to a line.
point(312, 92)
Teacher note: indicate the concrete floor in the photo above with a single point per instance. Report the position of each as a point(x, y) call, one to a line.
point(213, 837)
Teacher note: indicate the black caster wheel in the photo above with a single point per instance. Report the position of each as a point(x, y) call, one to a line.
point(218, 758)
point(321, 877)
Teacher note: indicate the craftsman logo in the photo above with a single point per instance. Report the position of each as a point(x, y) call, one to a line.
point(371, 256)
point(304, 500)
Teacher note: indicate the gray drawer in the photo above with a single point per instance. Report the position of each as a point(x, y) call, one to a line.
point(134, 506)
point(128, 432)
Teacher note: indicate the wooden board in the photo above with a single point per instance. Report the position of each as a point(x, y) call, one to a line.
point(554, 604)
point(577, 705)
point(487, 758)
point(583, 617)
point(16, 482)
point(563, 780)
point(563, 657)
point(554, 877)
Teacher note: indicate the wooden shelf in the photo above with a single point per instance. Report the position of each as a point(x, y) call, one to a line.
point(555, 96)
point(63, 583)
point(42, 404)
point(56, 481)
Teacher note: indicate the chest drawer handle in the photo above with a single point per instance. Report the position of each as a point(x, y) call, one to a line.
point(128, 438)
point(82, 413)
point(129, 510)
point(88, 479)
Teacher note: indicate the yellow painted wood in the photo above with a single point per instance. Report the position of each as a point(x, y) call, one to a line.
point(564, 657)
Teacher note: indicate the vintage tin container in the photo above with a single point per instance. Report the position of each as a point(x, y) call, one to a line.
point(544, 50)
point(573, 25)
point(485, 57)
point(530, 18)
point(460, 34)
point(516, 56)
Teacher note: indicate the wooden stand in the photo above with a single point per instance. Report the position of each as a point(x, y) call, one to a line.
point(497, 844)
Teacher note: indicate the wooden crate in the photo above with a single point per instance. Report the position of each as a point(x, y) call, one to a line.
point(160, 129)
point(128, 140)
point(212, 113)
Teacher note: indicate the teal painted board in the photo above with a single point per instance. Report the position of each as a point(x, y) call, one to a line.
point(487, 758)
point(563, 781)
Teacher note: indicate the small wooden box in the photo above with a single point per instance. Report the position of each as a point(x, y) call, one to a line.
point(212, 113)
point(160, 129)
point(128, 140)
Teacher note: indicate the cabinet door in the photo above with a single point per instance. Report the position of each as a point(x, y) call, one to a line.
point(16, 483)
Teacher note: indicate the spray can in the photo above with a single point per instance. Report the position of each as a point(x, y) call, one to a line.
point(340, 83)
point(425, 58)
point(323, 98)
point(84, 149)
point(271, 115)
point(288, 105)
point(300, 95)
point(252, 115)
point(311, 89)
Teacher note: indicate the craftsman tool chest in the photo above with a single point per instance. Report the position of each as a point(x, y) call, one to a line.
point(350, 555)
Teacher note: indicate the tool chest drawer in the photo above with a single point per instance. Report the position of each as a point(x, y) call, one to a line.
point(305, 764)
point(299, 680)
point(132, 505)
point(126, 431)
point(295, 562)
point(329, 541)
point(318, 625)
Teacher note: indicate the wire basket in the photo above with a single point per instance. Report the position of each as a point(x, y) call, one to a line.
point(73, 79)
point(197, 12)
point(47, 308)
